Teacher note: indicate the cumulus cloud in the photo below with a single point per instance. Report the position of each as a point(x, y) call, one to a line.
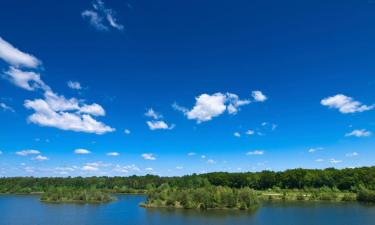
point(159, 125)
point(255, 152)
point(345, 104)
point(74, 85)
point(6, 107)
point(258, 96)
point(15, 57)
point(56, 110)
point(81, 151)
point(40, 158)
point(102, 18)
point(209, 106)
point(127, 131)
point(126, 169)
point(28, 152)
point(148, 156)
point(113, 154)
point(93, 109)
point(359, 133)
point(237, 134)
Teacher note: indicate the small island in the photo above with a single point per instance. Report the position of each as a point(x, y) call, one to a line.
point(67, 195)
point(208, 197)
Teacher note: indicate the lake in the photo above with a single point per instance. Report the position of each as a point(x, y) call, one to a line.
point(27, 210)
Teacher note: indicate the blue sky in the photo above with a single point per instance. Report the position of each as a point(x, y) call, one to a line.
point(171, 88)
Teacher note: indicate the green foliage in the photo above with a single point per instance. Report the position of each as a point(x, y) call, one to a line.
point(365, 195)
point(208, 197)
point(65, 195)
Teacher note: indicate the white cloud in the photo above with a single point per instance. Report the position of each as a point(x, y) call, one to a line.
point(1, 152)
point(16, 57)
point(93, 109)
point(255, 152)
point(345, 104)
point(126, 169)
point(319, 160)
point(148, 156)
point(153, 114)
point(46, 115)
point(81, 151)
point(312, 150)
point(191, 154)
point(74, 85)
point(55, 110)
point(211, 161)
point(113, 154)
point(179, 167)
point(352, 154)
point(127, 131)
point(237, 134)
point(159, 125)
point(28, 152)
point(235, 103)
point(335, 161)
point(207, 107)
point(90, 168)
point(24, 79)
point(102, 18)
point(40, 158)
point(6, 107)
point(359, 133)
point(258, 96)
point(149, 169)
point(250, 132)
point(203, 156)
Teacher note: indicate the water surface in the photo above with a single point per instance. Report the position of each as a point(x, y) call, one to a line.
point(27, 210)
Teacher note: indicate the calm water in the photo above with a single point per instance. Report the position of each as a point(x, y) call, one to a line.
point(27, 210)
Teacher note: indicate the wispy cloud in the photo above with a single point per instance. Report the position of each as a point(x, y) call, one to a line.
point(27, 152)
point(113, 154)
point(359, 133)
point(74, 85)
point(15, 57)
point(6, 107)
point(101, 17)
point(255, 152)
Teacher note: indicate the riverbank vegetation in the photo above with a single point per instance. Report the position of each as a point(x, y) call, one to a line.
point(65, 195)
point(297, 184)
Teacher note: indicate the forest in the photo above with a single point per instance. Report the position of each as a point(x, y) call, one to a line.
point(294, 183)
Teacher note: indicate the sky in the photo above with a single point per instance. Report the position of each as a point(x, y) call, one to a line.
point(170, 88)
